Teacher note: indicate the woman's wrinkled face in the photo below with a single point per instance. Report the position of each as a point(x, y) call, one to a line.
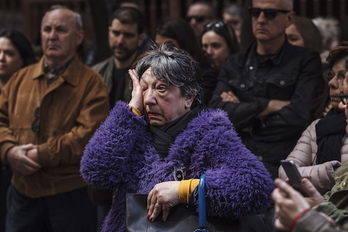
point(336, 77)
point(163, 102)
point(10, 58)
point(294, 36)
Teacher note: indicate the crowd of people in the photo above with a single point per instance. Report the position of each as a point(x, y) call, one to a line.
point(163, 109)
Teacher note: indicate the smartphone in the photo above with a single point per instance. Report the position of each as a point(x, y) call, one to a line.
point(293, 175)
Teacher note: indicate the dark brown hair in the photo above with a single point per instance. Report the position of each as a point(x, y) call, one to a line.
point(310, 33)
point(338, 53)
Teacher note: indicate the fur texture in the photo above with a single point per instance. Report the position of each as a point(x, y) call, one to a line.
point(121, 156)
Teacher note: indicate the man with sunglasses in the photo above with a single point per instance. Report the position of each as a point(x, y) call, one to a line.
point(198, 14)
point(267, 90)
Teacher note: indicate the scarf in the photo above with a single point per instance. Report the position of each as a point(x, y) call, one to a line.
point(162, 139)
point(330, 131)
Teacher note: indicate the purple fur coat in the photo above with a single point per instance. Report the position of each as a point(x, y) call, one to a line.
point(121, 156)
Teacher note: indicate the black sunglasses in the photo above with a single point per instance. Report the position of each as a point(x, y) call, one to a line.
point(215, 25)
point(198, 18)
point(343, 98)
point(269, 13)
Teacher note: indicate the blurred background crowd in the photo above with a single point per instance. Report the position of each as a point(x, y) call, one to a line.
point(26, 15)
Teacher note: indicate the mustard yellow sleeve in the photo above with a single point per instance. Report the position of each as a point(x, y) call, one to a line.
point(186, 187)
point(135, 110)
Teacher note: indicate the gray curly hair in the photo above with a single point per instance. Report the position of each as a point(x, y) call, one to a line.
point(173, 66)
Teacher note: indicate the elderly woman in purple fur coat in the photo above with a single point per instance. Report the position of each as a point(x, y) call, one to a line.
point(164, 139)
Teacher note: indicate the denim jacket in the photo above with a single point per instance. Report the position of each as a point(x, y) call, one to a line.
point(292, 75)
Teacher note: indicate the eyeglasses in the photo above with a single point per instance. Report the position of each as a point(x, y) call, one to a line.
point(330, 76)
point(343, 98)
point(269, 13)
point(340, 75)
point(214, 25)
point(198, 18)
point(36, 124)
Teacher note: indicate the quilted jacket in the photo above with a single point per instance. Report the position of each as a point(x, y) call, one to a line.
point(304, 155)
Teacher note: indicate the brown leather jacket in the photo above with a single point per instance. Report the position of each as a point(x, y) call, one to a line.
point(70, 110)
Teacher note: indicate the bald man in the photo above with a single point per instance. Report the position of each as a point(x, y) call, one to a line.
point(49, 111)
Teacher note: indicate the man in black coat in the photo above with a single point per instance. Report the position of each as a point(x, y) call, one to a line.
point(268, 90)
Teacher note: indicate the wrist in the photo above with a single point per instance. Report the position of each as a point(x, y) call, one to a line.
point(186, 187)
point(298, 216)
point(135, 110)
point(4, 150)
point(8, 154)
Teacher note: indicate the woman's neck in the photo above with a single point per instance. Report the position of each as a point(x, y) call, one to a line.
point(3, 81)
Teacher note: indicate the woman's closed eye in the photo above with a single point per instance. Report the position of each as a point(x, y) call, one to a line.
point(143, 87)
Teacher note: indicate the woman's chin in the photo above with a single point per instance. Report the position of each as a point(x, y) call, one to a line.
point(156, 123)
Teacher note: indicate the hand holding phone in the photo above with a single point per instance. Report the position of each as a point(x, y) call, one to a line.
point(294, 176)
